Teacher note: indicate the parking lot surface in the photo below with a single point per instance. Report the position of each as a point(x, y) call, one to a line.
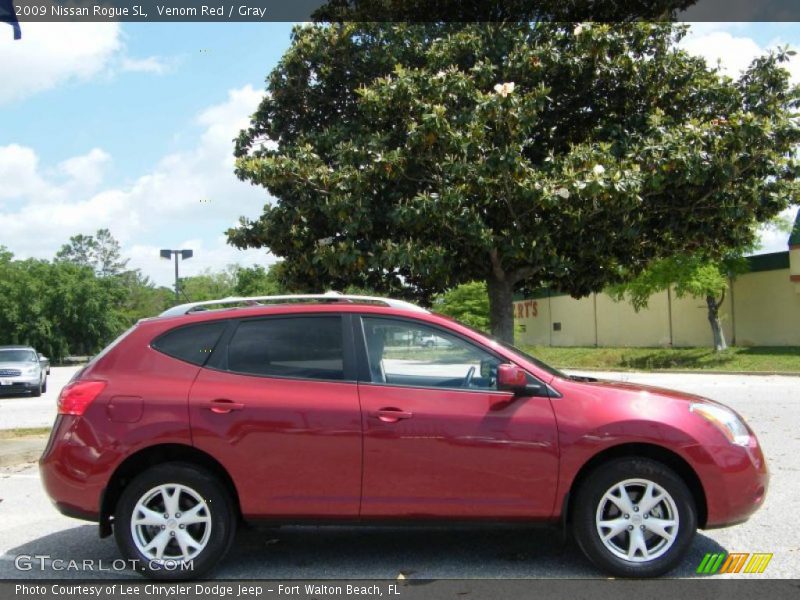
point(23, 411)
point(30, 526)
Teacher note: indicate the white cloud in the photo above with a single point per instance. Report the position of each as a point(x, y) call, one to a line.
point(195, 188)
point(54, 54)
point(51, 54)
point(87, 170)
point(151, 64)
point(733, 53)
point(19, 172)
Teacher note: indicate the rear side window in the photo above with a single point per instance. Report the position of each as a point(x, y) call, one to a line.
point(192, 343)
point(298, 347)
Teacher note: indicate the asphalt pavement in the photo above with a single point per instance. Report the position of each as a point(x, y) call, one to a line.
point(30, 526)
point(25, 412)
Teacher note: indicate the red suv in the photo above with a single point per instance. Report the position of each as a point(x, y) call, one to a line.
point(339, 409)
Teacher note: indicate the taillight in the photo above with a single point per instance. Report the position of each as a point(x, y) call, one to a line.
point(76, 397)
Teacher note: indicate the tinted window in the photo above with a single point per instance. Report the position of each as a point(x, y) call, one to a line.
point(192, 343)
point(304, 347)
point(404, 353)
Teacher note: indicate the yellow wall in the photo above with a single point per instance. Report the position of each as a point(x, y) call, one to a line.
point(763, 309)
point(619, 325)
point(767, 309)
point(690, 326)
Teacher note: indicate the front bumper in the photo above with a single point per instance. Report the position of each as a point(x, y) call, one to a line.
point(18, 385)
point(736, 480)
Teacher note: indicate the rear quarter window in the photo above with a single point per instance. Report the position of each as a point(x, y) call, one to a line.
point(191, 343)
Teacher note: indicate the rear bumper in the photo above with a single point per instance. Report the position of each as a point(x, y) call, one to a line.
point(67, 472)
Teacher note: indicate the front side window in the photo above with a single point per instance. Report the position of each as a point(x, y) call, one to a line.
point(298, 347)
point(404, 353)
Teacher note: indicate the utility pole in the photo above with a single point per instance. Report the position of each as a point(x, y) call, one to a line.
point(185, 255)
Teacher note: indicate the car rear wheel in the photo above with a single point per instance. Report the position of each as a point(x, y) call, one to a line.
point(634, 518)
point(174, 521)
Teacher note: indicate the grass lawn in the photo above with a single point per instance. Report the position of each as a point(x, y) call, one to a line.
point(8, 434)
point(763, 359)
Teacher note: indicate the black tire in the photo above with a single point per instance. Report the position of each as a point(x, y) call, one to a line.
point(44, 386)
point(36, 391)
point(590, 495)
point(223, 521)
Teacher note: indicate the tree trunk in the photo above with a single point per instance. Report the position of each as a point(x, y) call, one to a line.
point(501, 309)
point(716, 327)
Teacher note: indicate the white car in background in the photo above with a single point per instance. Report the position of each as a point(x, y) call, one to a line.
point(21, 371)
point(434, 341)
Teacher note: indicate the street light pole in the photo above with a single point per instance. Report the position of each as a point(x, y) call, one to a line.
point(185, 255)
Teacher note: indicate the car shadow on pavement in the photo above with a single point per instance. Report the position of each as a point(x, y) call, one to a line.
point(310, 552)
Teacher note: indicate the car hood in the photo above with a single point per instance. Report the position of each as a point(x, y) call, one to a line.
point(16, 365)
point(636, 388)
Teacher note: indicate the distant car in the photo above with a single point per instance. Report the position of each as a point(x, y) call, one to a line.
point(45, 362)
point(21, 371)
point(431, 341)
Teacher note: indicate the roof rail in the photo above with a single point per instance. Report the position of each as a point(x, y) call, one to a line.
point(185, 309)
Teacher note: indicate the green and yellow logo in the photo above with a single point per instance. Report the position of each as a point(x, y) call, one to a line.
point(735, 562)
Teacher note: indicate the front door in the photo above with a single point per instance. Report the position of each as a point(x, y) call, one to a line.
point(433, 446)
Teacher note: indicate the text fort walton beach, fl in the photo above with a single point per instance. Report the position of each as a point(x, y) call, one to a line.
point(216, 590)
point(116, 12)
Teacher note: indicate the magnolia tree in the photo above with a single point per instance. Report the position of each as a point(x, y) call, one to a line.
point(410, 158)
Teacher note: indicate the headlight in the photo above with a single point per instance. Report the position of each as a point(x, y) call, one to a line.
point(726, 421)
point(29, 370)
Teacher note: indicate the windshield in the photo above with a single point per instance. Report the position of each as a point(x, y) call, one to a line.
point(534, 360)
point(18, 356)
point(543, 366)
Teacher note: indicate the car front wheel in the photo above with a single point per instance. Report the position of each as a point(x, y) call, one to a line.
point(634, 518)
point(174, 521)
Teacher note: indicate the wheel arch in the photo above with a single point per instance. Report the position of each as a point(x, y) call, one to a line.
point(641, 450)
point(150, 457)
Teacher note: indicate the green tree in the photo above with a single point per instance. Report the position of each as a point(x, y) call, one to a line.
point(258, 281)
point(690, 275)
point(80, 250)
point(410, 158)
point(59, 308)
point(209, 285)
point(141, 298)
point(468, 303)
point(100, 252)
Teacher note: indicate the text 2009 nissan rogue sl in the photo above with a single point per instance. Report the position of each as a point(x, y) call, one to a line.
point(319, 408)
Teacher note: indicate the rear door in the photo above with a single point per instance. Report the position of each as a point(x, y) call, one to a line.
point(278, 406)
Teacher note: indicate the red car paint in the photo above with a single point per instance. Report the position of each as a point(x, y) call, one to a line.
point(298, 449)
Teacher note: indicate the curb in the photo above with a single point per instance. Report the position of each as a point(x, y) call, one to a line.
point(683, 371)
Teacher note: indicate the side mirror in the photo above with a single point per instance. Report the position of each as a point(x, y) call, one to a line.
point(511, 378)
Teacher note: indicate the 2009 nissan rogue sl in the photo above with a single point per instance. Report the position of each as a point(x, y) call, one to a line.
point(329, 408)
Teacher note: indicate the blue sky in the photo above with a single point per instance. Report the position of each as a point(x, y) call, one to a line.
point(128, 126)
